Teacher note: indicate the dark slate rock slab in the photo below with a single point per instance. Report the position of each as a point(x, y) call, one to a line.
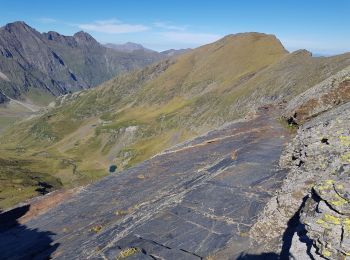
point(194, 200)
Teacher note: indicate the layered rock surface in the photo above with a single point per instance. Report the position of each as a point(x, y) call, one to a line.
point(185, 203)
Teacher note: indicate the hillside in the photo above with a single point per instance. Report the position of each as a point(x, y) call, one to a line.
point(134, 116)
point(39, 66)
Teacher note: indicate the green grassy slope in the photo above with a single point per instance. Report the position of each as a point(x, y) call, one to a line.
point(133, 116)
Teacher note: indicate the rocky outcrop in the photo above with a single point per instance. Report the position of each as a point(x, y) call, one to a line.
point(312, 208)
point(326, 214)
point(322, 97)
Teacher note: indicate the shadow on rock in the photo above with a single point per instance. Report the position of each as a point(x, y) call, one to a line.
point(267, 256)
point(44, 188)
point(19, 242)
point(294, 226)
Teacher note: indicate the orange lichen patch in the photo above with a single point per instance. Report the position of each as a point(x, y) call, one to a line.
point(42, 204)
point(336, 96)
point(305, 110)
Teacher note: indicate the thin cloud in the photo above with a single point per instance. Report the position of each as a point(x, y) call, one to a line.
point(113, 26)
point(167, 26)
point(46, 20)
point(190, 38)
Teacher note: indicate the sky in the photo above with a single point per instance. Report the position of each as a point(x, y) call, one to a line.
point(320, 26)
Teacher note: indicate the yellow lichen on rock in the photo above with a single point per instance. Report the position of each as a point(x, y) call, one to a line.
point(326, 252)
point(329, 182)
point(346, 157)
point(346, 224)
point(322, 223)
point(326, 185)
point(96, 229)
point(332, 219)
point(339, 186)
point(125, 253)
point(345, 140)
point(338, 201)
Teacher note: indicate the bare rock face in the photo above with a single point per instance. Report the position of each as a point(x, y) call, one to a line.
point(312, 209)
point(322, 97)
point(326, 214)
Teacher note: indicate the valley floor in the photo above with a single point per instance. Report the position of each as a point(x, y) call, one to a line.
point(14, 111)
point(188, 202)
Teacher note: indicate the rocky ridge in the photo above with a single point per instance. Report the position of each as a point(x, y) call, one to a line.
point(38, 65)
point(312, 207)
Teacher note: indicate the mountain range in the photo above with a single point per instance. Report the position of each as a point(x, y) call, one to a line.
point(128, 47)
point(40, 66)
point(133, 116)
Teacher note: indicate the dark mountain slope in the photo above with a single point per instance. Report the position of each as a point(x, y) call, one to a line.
point(39, 66)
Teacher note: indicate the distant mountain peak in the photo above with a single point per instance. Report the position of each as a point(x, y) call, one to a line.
point(302, 52)
point(248, 36)
point(174, 52)
point(127, 47)
point(18, 25)
point(137, 45)
point(82, 36)
point(249, 40)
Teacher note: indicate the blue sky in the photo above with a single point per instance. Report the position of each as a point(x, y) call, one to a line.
point(321, 26)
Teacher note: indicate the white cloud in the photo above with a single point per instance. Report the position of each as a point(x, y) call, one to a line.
point(46, 20)
point(190, 38)
point(113, 26)
point(167, 26)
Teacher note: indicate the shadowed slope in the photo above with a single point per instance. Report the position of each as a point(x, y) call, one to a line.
point(13, 234)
